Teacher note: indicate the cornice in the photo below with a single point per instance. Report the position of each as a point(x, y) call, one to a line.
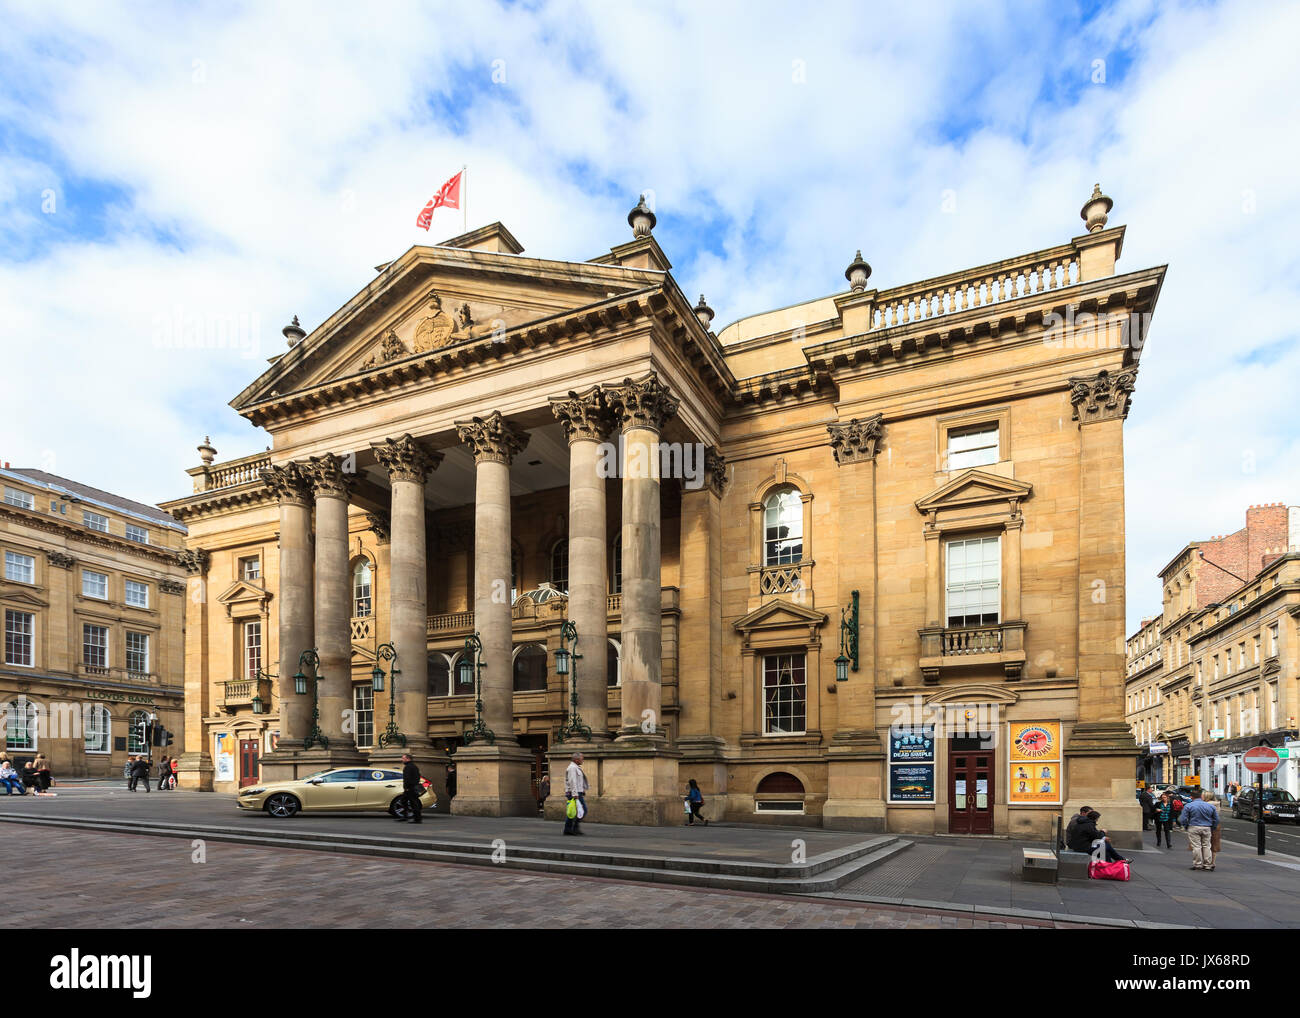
point(93, 538)
point(215, 503)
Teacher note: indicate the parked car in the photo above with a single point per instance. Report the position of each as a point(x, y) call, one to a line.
point(1279, 804)
point(343, 790)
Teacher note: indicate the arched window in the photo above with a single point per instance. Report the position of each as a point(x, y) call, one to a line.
point(97, 729)
point(439, 674)
point(782, 527)
point(21, 724)
point(780, 782)
point(560, 566)
point(362, 602)
point(616, 574)
point(135, 732)
point(612, 676)
point(530, 669)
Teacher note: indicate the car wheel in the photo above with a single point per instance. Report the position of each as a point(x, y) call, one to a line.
point(282, 804)
point(399, 808)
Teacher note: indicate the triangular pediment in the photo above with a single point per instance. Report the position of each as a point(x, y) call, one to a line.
point(975, 692)
point(778, 614)
point(435, 299)
point(974, 488)
point(244, 592)
point(23, 597)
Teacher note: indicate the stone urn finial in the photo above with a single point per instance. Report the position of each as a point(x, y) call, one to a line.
point(1094, 210)
point(206, 453)
point(704, 313)
point(293, 332)
point(858, 272)
point(641, 219)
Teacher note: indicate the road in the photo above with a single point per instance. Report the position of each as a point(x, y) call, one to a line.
point(1280, 837)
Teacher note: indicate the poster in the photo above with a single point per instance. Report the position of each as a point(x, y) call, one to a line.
point(911, 764)
point(1034, 763)
point(225, 756)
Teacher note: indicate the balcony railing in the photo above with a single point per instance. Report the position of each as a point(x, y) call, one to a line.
point(786, 579)
point(986, 640)
point(240, 692)
point(363, 628)
point(232, 474)
point(962, 647)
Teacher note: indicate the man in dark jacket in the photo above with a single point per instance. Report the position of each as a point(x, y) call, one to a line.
point(139, 771)
point(411, 788)
point(1086, 832)
point(1074, 822)
point(1148, 808)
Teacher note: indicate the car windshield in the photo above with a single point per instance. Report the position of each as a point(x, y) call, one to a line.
point(1278, 795)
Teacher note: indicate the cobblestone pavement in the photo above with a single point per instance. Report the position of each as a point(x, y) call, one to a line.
point(113, 879)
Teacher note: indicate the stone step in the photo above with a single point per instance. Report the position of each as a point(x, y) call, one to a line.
point(822, 873)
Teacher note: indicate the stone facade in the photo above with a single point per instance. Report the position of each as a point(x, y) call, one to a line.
point(93, 603)
point(921, 486)
point(1224, 657)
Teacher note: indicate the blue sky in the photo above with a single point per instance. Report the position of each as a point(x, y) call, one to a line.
point(166, 169)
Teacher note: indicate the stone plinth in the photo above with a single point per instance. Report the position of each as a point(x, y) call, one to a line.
point(638, 782)
point(1100, 774)
point(494, 781)
point(855, 780)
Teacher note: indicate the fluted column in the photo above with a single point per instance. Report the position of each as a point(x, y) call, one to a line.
point(408, 466)
point(641, 408)
point(295, 595)
point(587, 424)
point(494, 441)
point(333, 615)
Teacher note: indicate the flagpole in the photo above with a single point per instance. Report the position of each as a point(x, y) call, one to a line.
point(464, 199)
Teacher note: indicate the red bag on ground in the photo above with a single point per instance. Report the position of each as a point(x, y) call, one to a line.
point(1108, 870)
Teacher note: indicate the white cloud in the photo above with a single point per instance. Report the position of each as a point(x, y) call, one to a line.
point(290, 146)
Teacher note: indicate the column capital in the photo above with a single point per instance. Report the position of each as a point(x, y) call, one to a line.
point(856, 440)
point(405, 459)
point(290, 482)
point(193, 560)
point(583, 415)
point(641, 403)
point(715, 470)
point(492, 439)
point(328, 477)
point(380, 526)
point(1103, 396)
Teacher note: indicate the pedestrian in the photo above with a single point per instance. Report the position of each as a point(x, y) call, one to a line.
point(42, 765)
point(9, 778)
point(1200, 818)
point(1165, 820)
point(140, 770)
point(176, 772)
point(543, 792)
point(695, 799)
point(1074, 823)
point(31, 779)
point(1091, 839)
point(127, 770)
point(1148, 808)
point(575, 793)
point(411, 789)
point(451, 781)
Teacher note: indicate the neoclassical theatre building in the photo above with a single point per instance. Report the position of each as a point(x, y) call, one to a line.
point(857, 562)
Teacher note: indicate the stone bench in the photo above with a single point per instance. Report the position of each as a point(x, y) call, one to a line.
point(1073, 865)
point(1040, 866)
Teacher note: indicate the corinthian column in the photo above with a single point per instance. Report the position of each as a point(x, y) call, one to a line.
point(641, 408)
point(293, 487)
point(408, 467)
point(333, 595)
point(587, 424)
point(494, 441)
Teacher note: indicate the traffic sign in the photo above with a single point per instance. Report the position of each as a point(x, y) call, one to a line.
point(1260, 760)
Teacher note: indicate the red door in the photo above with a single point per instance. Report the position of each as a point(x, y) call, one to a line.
point(248, 762)
point(970, 792)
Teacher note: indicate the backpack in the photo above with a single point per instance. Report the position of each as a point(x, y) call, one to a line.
point(1178, 806)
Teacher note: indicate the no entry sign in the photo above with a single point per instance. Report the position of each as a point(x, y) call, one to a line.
point(1260, 760)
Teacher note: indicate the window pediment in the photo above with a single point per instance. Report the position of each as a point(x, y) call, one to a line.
point(244, 597)
point(975, 692)
point(974, 489)
point(21, 598)
point(779, 614)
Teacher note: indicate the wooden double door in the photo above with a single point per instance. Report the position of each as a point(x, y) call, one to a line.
point(970, 788)
point(249, 761)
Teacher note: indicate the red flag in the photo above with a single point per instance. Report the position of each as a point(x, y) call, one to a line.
point(448, 195)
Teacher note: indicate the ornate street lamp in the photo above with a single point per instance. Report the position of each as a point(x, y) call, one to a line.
point(474, 652)
point(310, 659)
point(573, 728)
point(392, 734)
point(259, 706)
point(848, 640)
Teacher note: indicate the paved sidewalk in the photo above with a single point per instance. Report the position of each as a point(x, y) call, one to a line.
point(1244, 891)
point(110, 880)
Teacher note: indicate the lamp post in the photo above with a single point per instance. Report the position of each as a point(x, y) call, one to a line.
point(474, 652)
point(311, 659)
point(848, 640)
point(392, 734)
point(259, 707)
point(573, 728)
